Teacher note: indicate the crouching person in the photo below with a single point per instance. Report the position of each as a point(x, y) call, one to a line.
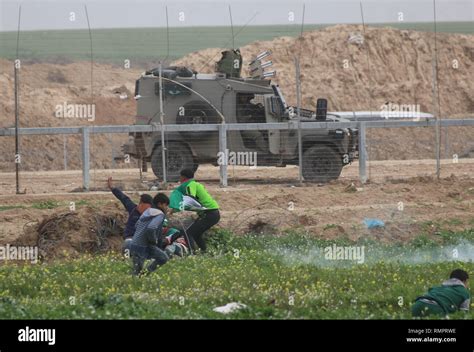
point(134, 212)
point(192, 195)
point(147, 239)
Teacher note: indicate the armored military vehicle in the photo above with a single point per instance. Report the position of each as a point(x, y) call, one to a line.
point(190, 98)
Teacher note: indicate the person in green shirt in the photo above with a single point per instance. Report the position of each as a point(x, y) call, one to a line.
point(192, 195)
point(451, 296)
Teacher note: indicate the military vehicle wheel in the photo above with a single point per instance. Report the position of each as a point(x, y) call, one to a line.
point(197, 112)
point(321, 163)
point(178, 157)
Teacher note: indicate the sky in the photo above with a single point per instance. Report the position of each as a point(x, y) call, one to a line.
point(70, 14)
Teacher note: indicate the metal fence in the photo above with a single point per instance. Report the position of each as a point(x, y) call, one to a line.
point(353, 62)
point(224, 129)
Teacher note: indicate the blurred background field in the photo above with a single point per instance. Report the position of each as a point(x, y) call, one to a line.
point(149, 44)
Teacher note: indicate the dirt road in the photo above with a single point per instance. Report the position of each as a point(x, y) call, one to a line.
point(403, 194)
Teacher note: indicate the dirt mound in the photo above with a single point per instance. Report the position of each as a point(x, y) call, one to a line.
point(44, 87)
point(73, 233)
point(390, 65)
point(399, 70)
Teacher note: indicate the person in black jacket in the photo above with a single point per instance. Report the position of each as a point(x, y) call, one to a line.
point(134, 211)
point(148, 238)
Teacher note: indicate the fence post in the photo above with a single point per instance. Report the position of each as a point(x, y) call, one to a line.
point(222, 149)
point(362, 153)
point(65, 151)
point(162, 125)
point(298, 103)
point(85, 158)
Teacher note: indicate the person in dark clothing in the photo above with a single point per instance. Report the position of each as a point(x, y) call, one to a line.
point(452, 296)
point(134, 211)
point(147, 239)
point(191, 195)
point(174, 242)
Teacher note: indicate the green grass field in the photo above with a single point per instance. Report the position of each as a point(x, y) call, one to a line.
point(142, 45)
point(276, 277)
